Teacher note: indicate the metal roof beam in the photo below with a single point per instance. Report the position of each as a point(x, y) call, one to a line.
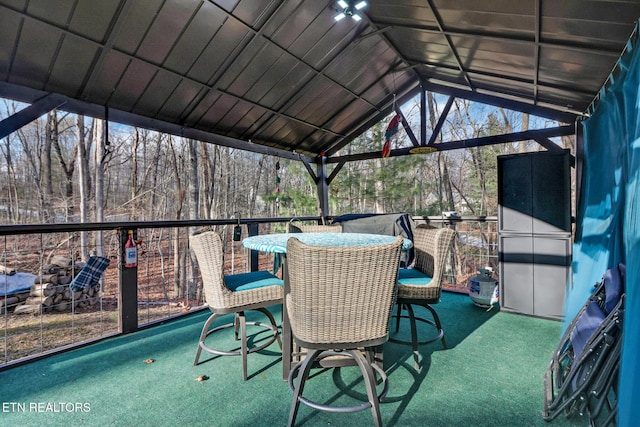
point(335, 171)
point(49, 102)
point(200, 135)
point(467, 143)
point(452, 47)
point(405, 94)
point(549, 144)
point(610, 50)
point(407, 128)
point(536, 54)
point(441, 120)
point(32, 112)
point(536, 110)
point(534, 82)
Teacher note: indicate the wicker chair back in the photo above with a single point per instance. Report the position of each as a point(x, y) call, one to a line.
point(341, 294)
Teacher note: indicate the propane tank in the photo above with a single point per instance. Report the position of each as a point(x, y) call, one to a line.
point(483, 288)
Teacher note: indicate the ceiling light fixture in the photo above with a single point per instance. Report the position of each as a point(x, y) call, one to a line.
point(348, 9)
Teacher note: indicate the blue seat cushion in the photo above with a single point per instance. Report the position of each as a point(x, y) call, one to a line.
point(585, 326)
point(251, 280)
point(412, 276)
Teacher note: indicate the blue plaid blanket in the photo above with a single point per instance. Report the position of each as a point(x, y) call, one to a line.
point(90, 273)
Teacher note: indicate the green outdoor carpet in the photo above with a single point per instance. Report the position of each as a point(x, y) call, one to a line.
point(491, 375)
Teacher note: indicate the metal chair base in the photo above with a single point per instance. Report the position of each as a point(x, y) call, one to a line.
point(303, 369)
point(414, 331)
point(240, 324)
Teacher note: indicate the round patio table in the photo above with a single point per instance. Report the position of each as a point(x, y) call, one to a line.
point(277, 244)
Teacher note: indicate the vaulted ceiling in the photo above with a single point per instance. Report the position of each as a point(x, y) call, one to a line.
point(283, 76)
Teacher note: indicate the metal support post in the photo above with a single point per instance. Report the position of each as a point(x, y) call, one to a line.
point(127, 289)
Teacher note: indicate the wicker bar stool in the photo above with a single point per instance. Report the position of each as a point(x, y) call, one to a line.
point(321, 228)
point(339, 303)
point(422, 285)
point(236, 294)
point(294, 226)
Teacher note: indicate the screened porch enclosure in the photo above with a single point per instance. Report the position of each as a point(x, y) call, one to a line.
point(288, 80)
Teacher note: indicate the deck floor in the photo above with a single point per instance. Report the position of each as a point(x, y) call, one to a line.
point(491, 375)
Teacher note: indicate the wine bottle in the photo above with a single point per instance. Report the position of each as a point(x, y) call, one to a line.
point(130, 253)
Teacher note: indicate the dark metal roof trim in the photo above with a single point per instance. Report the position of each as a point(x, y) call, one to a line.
point(75, 106)
point(284, 75)
point(537, 134)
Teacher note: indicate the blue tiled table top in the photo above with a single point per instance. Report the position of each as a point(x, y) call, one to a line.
point(277, 243)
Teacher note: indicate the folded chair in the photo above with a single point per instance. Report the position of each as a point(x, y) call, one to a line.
point(339, 303)
point(90, 273)
point(236, 294)
point(422, 284)
point(582, 376)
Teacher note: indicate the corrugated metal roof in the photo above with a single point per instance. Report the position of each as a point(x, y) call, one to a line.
point(285, 74)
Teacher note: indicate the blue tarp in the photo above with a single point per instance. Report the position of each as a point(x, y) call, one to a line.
point(608, 215)
point(14, 283)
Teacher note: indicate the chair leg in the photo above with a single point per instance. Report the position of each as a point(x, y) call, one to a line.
point(304, 368)
point(415, 342)
point(243, 343)
point(273, 323)
point(203, 336)
point(236, 325)
point(414, 337)
point(438, 324)
point(369, 378)
point(398, 313)
point(239, 325)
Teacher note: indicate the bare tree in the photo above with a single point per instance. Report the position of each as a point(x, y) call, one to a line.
point(445, 190)
point(254, 190)
point(99, 159)
point(83, 184)
point(134, 170)
point(66, 159)
point(194, 204)
point(9, 182)
point(178, 253)
point(33, 149)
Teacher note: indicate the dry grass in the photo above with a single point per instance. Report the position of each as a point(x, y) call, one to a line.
point(28, 335)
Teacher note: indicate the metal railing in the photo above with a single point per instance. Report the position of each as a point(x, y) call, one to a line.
point(43, 316)
point(476, 247)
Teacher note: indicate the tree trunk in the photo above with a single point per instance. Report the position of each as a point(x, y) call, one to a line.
point(445, 190)
point(11, 181)
point(177, 282)
point(46, 157)
point(378, 186)
point(522, 145)
point(83, 185)
point(33, 168)
point(256, 186)
point(194, 204)
point(134, 171)
point(100, 132)
point(67, 166)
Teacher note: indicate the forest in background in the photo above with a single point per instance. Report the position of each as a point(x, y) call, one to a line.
point(60, 168)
